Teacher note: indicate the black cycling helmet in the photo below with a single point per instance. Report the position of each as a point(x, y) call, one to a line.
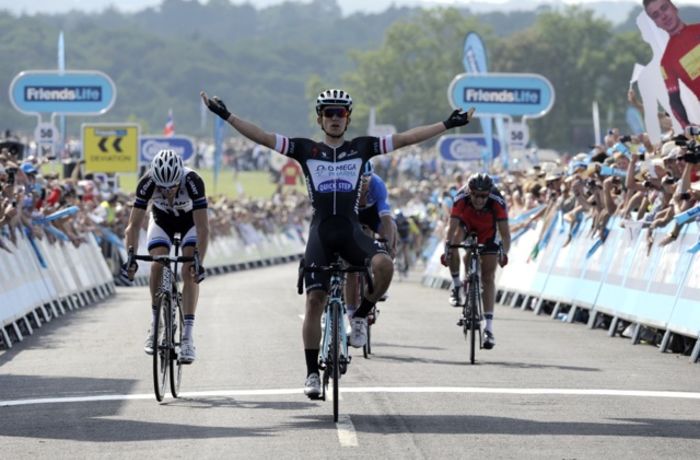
point(333, 97)
point(480, 182)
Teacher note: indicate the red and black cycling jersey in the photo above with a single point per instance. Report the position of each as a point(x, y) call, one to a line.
point(482, 221)
point(333, 173)
point(191, 195)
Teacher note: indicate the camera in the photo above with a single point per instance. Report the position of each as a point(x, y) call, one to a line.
point(669, 180)
point(11, 172)
point(684, 196)
point(692, 147)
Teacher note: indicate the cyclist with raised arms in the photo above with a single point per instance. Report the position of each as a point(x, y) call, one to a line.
point(375, 217)
point(332, 169)
point(479, 207)
point(179, 205)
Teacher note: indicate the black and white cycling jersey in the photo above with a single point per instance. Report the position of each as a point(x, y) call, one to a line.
point(190, 195)
point(333, 173)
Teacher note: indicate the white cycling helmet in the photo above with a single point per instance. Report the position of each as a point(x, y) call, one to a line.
point(333, 97)
point(167, 168)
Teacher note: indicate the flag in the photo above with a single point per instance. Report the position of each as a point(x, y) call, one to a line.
point(169, 128)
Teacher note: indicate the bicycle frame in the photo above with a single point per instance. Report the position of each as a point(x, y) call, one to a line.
point(334, 311)
point(333, 354)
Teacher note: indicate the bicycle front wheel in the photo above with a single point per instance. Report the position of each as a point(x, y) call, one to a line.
point(161, 353)
point(176, 366)
point(335, 353)
point(367, 348)
point(473, 319)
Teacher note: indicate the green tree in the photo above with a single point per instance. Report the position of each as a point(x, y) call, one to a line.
point(406, 79)
point(571, 50)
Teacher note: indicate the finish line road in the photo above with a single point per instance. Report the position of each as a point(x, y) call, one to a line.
point(82, 387)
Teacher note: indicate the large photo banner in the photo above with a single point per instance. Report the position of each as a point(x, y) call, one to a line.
point(672, 78)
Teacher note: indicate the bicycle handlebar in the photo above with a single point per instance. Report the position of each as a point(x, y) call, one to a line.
point(469, 243)
point(335, 267)
point(165, 259)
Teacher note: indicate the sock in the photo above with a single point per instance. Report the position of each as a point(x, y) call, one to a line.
point(489, 321)
point(311, 361)
point(365, 308)
point(351, 310)
point(456, 282)
point(154, 314)
point(189, 325)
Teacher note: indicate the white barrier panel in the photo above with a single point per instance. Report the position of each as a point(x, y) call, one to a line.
point(657, 286)
point(685, 318)
point(36, 275)
point(232, 253)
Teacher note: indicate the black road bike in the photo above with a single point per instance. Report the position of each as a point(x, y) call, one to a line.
point(334, 357)
point(169, 321)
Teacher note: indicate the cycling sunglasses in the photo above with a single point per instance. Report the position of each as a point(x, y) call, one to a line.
point(167, 189)
point(340, 112)
point(482, 195)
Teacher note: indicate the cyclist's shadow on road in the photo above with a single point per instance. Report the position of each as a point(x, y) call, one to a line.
point(511, 365)
point(485, 425)
point(223, 402)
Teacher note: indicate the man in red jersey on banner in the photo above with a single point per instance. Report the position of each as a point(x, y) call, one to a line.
point(681, 59)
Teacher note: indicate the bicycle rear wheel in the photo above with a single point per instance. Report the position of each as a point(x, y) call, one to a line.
point(161, 354)
point(473, 319)
point(335, 354)
point(176, 366)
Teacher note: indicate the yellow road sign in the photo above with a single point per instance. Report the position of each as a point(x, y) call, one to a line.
point(111, 147)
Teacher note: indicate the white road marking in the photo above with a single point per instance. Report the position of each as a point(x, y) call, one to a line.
point(407, 390)
point(346, 431)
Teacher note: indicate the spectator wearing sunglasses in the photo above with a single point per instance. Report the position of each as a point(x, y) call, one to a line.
point(479, 207)
point(332, 169)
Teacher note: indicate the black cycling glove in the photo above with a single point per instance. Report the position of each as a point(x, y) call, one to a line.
point(457, 118)
point(124, 273)
point(217, 106)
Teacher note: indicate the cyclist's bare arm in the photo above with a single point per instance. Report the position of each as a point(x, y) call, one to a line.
point(421, 133)
point(248, 129)
point(134, 227)
point(454, 231)
point(388, 231)
point(201, 223)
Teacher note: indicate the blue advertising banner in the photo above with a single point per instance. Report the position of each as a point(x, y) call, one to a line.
point(150, 145)
point(465, 147)
point(502, 94)
point(64, 92)
point(474, 59)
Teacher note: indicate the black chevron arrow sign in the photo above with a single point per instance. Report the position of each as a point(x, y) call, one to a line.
point(116, 144)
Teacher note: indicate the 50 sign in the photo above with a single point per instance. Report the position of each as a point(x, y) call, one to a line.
point(45, 133)
point(518, 135)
